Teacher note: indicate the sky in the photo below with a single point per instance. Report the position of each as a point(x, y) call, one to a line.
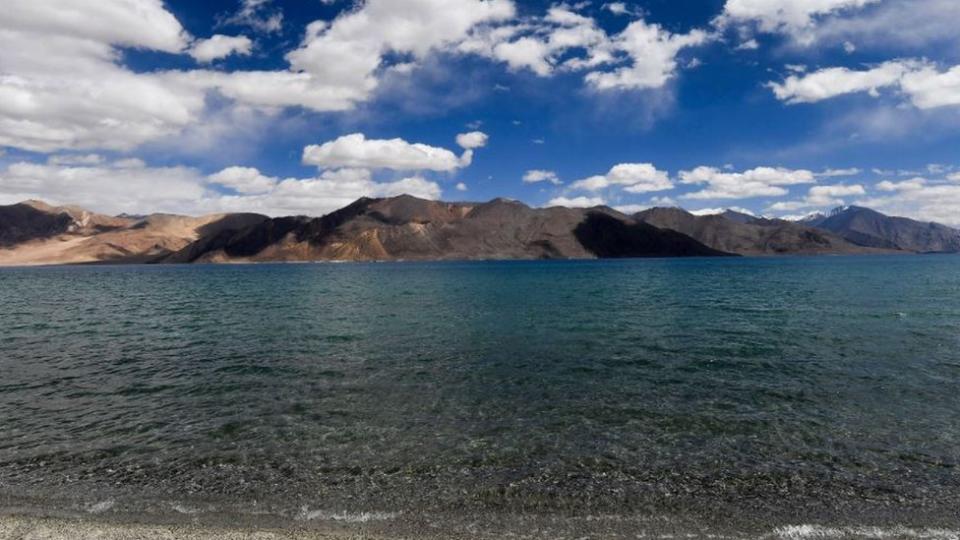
point(773, 107)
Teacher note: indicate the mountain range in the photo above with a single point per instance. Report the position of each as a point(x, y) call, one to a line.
point(408, 228)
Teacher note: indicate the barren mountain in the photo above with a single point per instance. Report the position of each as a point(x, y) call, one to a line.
point(36, 233)
point(866, 227)
point(738, 233)
point(407, 228)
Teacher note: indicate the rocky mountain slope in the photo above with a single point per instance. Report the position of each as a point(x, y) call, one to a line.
point(36, 233)
point(734, 232)
point(407, 228)
point(866, 227)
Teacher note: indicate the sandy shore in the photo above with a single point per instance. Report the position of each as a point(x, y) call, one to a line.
point(28, 528)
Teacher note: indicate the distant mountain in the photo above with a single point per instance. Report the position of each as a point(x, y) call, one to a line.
point(34, 220)
point(738, 217)
point(866, 227)
point(37, 233)
point(407, 228)
point(734, 232)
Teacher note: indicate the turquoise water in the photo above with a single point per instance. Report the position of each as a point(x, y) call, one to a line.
point(591, 397)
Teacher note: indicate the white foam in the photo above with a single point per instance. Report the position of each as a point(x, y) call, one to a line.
point(101, 507)
point(813, 532)
point(346, 517)
point(183, 509)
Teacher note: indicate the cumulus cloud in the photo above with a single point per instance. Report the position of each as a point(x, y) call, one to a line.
point(243, 180)
point(106, 187)
point(832, 82)
point(472, 140)
point(821, 197)
point(130, 186)
point(537, 175)
point(918, 198)
point(321, 195)
point(621, 8)
point(912, 25)
point(653, 57)
point(60, 85)
point(63, 84)
point(631, 177)
point(356, 151)
point(759, 182)
point(577, 202)
point(349, 51)
point(220, 46)
point(642, 56)
point(794, 17)
point(924, 85)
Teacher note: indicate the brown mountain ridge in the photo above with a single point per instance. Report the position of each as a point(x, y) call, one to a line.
point(403, 228)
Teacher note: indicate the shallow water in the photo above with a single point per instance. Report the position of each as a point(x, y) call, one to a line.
point(600, 397)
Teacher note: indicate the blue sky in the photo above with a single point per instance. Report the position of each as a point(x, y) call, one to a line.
point(777, 107)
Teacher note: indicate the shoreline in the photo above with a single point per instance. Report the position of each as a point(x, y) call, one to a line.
point(21, 527)
point(47, 528)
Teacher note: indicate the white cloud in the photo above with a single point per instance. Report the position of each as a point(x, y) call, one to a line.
point(918, 198)
point(220, 46)
point(348, 52)
point(144, 24)
point(820, 197)
point(356, 151)
point(61, 86)
point(913, 184)
point(832, 82)
point(921, 82)
point(794, 17)
point(75, 159)
point(642, 56)
point(107, 188)
point(258, 15)
point(632, 177)
point(132, 187)
point(317, 196)
point(461, 186)
point(652, 53)
point(246, 180)
point(472, 140)
point(537, 175)
point(836, 173)
point(749, 45)
point(759, 182)
point(577, 202)
point(621, 8)
point(631, 209)
point(906, 25)
point(928, 88)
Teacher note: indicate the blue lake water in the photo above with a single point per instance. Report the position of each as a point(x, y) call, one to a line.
point(598, 396)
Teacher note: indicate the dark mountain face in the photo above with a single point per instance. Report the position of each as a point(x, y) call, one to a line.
point(407, 228)
point(746, 235)
point(610, 238)
point(866, 227)
point(22, 222)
